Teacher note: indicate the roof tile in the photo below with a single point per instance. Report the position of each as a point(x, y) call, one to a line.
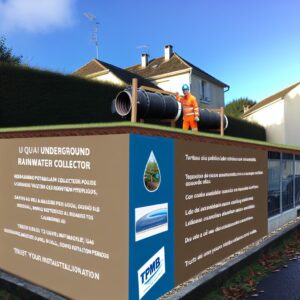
point(270, 99)
point(159, 66)
point(90, 68)
point(95, 66)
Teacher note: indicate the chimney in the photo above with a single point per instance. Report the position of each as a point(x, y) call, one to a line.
point(145, 58)
point(246, 108)
point(168, 52)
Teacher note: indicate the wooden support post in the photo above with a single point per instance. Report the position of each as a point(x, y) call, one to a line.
point(134, 100)
point(222, 121)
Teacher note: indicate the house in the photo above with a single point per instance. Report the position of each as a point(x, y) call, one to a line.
point(102, 71)
point(171, 71)
point(279, 114)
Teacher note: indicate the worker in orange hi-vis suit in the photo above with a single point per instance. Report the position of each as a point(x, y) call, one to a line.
point(190, 109)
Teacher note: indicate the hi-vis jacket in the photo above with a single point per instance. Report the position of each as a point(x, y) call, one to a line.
point(189, 106)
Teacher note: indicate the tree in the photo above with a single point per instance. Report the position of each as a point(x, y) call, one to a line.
point(6, 55)
point(236, 107)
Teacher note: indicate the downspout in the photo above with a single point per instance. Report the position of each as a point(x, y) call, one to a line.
point(228, 87)
point(190, 77)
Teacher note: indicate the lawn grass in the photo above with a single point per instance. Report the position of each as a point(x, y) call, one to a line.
point(146, 126)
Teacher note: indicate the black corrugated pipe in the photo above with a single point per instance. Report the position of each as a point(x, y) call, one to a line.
point(158, 106)
point(211, 120)
point(149, 105)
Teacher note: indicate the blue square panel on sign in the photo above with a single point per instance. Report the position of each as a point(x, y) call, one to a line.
point(151, 224)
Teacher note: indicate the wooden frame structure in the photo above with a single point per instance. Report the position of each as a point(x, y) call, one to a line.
point(146, 88)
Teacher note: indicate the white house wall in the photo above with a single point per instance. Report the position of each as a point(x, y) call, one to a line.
point(292, 112)
point(272, 118)
point(109, 77)
point(214, 93)
point(173, 83)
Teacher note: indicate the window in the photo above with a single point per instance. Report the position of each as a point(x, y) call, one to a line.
point(273, 183)
point(283, 182)
point(202, 89)
point(287, 182)
point(204, 92)
point(297, 180)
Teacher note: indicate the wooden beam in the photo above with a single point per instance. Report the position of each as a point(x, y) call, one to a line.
point(134, 100)
point(171, 121)
point(214, 109)
point(222, 120)
point(150, 89)
point(154, 90)
point(221, 112)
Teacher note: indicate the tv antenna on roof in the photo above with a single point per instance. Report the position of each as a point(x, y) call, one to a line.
point(93, 19)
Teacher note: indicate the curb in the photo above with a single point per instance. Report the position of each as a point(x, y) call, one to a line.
point(215, 279)
point(25, 290)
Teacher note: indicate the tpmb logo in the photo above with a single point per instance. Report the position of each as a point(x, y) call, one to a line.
point(151, 272)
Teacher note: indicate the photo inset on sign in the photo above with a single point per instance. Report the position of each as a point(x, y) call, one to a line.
point(152, 174)
point(150, 220)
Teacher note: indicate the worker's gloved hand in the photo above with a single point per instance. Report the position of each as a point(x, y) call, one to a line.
point(197, 119)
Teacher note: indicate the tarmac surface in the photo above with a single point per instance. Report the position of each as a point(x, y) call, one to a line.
point(282, 285)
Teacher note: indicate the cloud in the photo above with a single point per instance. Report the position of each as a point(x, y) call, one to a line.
point(36, 15)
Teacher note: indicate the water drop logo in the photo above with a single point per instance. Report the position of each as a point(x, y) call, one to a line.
point(152, 177)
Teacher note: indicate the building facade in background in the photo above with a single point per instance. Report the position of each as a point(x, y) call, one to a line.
point(279, 114)
point(171, 71)
point(168, 72)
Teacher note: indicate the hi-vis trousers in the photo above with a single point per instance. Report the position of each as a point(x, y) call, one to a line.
point(190, 123)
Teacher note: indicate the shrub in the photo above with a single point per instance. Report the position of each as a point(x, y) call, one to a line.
point(34, 97)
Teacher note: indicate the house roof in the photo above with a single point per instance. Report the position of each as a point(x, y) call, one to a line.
point(159, 66)
point(96, 66)
point(90, 68)
point(270, 99)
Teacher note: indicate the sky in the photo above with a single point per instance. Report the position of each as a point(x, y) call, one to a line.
point(251, 45)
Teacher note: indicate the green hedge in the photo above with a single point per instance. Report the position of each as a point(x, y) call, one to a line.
point(236, 128)
point(245, 129)
point(33, 97)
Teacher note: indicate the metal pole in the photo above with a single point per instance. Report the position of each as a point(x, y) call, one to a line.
point(93, 19)
point(96, 39)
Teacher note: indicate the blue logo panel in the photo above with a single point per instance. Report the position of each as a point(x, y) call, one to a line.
point(151, 194)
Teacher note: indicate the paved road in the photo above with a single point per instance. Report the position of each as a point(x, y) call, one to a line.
point(282, 285)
